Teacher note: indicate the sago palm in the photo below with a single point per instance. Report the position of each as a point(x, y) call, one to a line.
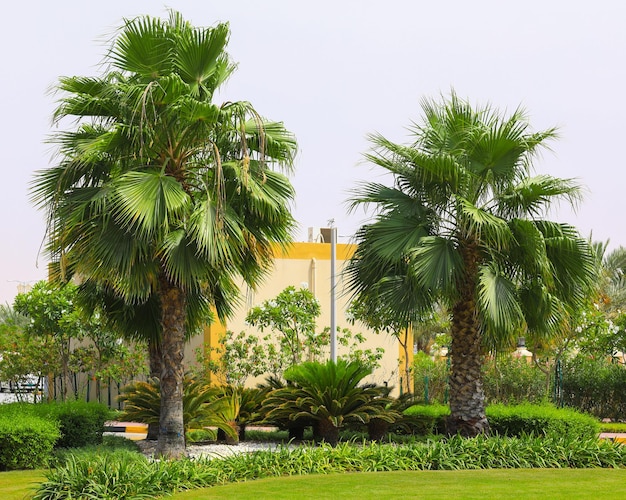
point(329, 395)
point(161, 196)
point(464, 223)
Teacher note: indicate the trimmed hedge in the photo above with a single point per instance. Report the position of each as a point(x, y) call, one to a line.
point(426, 419)
point(81, 423)
point(516, 420)
point(541, 420)
point(26, 442)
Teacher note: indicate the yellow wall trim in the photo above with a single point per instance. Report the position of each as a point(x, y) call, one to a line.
point(320, 251)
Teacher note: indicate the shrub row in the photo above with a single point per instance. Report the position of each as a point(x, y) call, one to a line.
point(595, 386)
point(515, 420)
point(132, 476)
point(29, 432)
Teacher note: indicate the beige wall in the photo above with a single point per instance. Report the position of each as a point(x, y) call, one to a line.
point(308, 264)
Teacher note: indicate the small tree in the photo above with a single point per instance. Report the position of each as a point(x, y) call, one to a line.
point(292, 315)
point(62, 337)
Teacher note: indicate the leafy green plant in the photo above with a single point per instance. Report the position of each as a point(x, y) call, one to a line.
point(203, 406)
point(509, 380)
point(26, 442)
point(329, 395)
point(132, 476)
point(81, 423)
point(430, 378)
point(595, 385)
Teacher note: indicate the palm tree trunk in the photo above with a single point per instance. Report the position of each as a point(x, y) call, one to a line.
point(467, 398)
point(171, 443)
point(155, 359)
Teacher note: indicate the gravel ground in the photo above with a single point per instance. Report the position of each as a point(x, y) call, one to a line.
point(213, 450)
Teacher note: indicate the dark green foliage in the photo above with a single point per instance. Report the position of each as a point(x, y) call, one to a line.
point(541, 420)
point(132, 476)
point(26, 441)
point(81, 423)
point(506, 380)
point(596, 386)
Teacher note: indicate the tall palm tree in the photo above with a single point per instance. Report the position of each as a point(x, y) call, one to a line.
point(464, 224)
point(162, 197)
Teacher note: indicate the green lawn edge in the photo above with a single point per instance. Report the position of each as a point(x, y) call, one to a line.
point(570, 484)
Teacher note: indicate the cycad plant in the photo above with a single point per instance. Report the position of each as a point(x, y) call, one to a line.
point(203, 406)
point(328, 395)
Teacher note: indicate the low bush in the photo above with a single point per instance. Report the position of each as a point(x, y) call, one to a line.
point(512, 420)
point(110, 444)
point(132, 476)
point(613, 427)
point(424, 420)
point(541, 420)
point(26, 442)
point(200, 435)
point(81, 423)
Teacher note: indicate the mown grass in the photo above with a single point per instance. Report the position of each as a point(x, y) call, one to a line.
point(570, 484)
point(521, 484)
point(20, 484)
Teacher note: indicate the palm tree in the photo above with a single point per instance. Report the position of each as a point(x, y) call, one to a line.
point(162, 197)
point(464, 224)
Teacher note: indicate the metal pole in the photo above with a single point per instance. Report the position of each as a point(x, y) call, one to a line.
point(333, 322)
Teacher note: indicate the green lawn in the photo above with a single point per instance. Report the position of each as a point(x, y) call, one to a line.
point(568, 484)
point(19, 484)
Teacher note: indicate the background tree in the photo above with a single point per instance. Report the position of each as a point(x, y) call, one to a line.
point(291, 315)
point(160, 196)
point(58, 337)
point(463, 223)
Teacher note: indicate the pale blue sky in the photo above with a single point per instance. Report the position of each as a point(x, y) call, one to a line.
point(335, 71)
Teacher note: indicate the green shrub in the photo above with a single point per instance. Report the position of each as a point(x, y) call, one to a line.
point(619, 427)
point(595, 386)
point(81, 423)
point(424, 420)
point(330, 396)
point(509, 380)
point(540, 420)
point(26, 442)
point(430, 378)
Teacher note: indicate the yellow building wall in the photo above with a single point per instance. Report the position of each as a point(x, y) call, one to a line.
point(308, 265)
